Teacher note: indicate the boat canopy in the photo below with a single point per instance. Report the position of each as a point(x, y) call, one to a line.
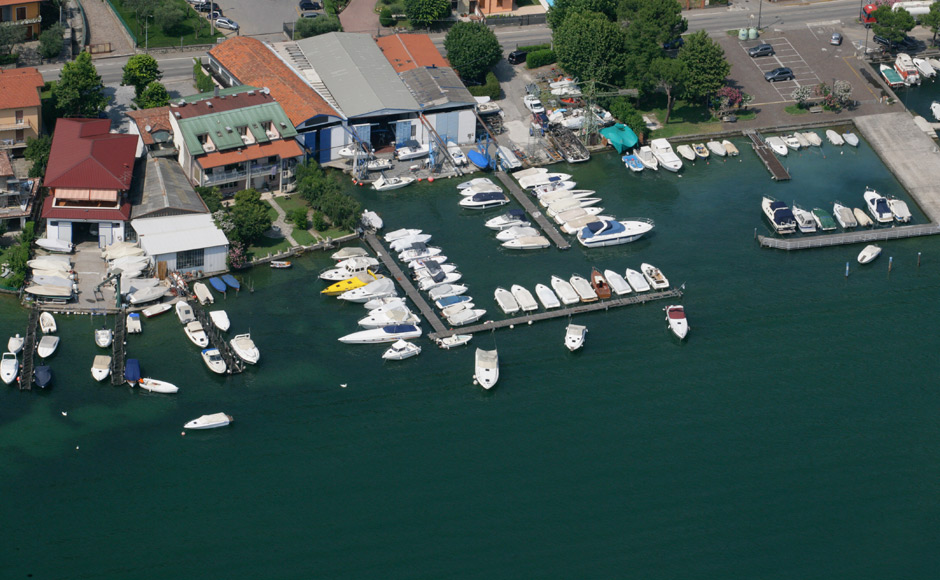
point(517, 214)
point(601, 228)
point(399, 328)
point(676, 313)
point(493, 196)
point(620, 136)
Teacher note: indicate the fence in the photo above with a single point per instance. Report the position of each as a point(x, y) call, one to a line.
point(521, 20)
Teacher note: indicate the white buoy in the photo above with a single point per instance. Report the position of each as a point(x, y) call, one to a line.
point(65, 413)
point(183, 433)
point(511, 326)
point(343, 385)
point(530, 323)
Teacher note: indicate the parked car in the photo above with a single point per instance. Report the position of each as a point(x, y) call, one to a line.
point(309, 5)
point(836, 39)
point(779, 74)
point(763, 49)
point(214, 15)
point(226, 23)
point(906, 45)
point(517, 56)
point(208, 7)
point(310, 14)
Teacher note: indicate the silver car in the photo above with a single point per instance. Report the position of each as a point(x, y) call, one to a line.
point(226, 23)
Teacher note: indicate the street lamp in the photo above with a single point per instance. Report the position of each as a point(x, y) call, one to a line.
point(147, 33)
point(760, 8)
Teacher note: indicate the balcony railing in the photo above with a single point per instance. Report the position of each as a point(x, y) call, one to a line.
point(35, 20)
point(221, 177)
point(22, 125)
point(12, 143)
point(263, 169)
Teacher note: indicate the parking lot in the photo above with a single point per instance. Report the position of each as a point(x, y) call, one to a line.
point(785, 55)
point(260, 17)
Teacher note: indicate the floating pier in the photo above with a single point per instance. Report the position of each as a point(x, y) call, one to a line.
point(118, 351)
point(856, 237)
point(233, 364)
point(777, 171)
point(29, 348)
point(537, 216)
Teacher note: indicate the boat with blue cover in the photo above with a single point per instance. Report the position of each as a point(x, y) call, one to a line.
point(612, 233)
point(481, 160)
point(779, 215)
point(132, 371)
point(231, 282)
point(217, 283)
point(43, 376)
point(484, 201)
point(451, 300)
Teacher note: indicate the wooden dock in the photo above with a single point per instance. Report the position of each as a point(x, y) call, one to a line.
point(233, 364)
point(537, 216)
point(856, 237)
point(29, 349)
point(118, 352)
point(561, 312)
point(777, 171)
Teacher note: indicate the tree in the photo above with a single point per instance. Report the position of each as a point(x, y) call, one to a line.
point(79, 92)
point(931, 20)
point(892, 24)
point(671, 75)
point(706, 64)
point(661, 19)
point(423, 13)
point(155, 95)
point(624, 112)
point(140, 71)
point(307, 27)
point(385, 17)
point(562, 8)
point(298, 217)
point(472, 49)
point(591, 47)
point(37, 151)
point(800, 94)
point(51, 42)
point(10, 36)
point(249, 216)
point(211, 196)
point(168, 16)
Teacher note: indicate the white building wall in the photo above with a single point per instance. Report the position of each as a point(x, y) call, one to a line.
point(467, 127)
point(215, 260)
point(338, 139)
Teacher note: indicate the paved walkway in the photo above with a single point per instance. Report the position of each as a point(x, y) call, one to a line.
point(360, 16)
point(90, 269)
point(280, 224)
point(103, 26)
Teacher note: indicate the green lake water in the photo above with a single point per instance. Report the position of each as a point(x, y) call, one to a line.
point(794, 435)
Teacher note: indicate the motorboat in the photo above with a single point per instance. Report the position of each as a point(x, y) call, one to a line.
point(184, 312)
point(118, 249)
point(527, 243)
point(617, 283)
point(717, 148)
point(512, 218)
point(576, 224)
point(506, 301)
point(636, 280)
point(384, 183)
point(447, 290)
point(145, 295)
point(480, 188)
point(646, 157)
point(488, 108)
point(431, 268)
point(550, 198)
point(812, 137)
point(132, 324)
point(9, 367)
point(834, 138)
point(878, 206)
point(350, 151)
point(466, 316)
point(675, 316)
point(546, 297)
point(280, 264)
point(476, 181)
point(402, 244)
point(349, 268)
point(891, 76)
point(525, 299)
point(632, 162)
point(217, 284)
point(220, 319)
point(844, 216)
point(453, 309)
point(486, 368)
point(823, 219)
point(899, 209)
point(396, 316)
point(566, 293)
point(533, 103)
point(516, 232)
point(904, 64)
point(850, 138)
point(245, 348)
point(157, 386)
point(484, 201)
point(599, 284)
point(730, 148)
point(564, 205)
point(213, 359)
point(132, 371)
point(700, 150)
point(686, 152)
point(779, 215)
point(357, 281)
point(935, 110)
point(41, 279)
point(351, 252)
point(50, 263)
point(613, 233)
point(584, 289)
point(866, 256)
point(456, 154)
point(15, 344)
point(42, 375)
point(209, 421)
point(535, 180)
point(924, 68)
point(196, 334)
point(454, 341)
point(778, 145)
point(47, 323)
point(654, 276)
point(400, 350)
point(412, 151)
point(429, 282)
point(804, 220)
point(792, 142)
point(862, 218)
point(101, 367)
point(49, 291)
point(233, 283)
point(553, 187)
point(574, 336)
point(662, 150)
point(451, 300)
point(425, 262)
point(369, 219)
point(55, 245)
point(375, 289)
point(103, 337)
point(384, 301)
point(801, 139)
point(202, 293)
point(579, 212)
point(935, 63)
point(384, 334)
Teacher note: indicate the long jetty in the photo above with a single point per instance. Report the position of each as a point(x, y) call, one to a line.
point(537, 216)
point(856, 237)
point(117, 349)
point(29, 348)
point(777, 171)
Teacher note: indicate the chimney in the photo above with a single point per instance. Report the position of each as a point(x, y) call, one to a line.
point(216, 91)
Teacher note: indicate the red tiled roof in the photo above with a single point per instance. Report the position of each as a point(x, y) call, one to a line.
point(253, 63)
point(121, 214)
point(85, 154)
point(157, 119)
point(18, 87)
point(285, 148)
point(17, 2)
point(221, 103)
point(408, 51)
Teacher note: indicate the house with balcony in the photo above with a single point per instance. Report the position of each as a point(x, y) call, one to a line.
point(21, 13)
point(89, 174)
point(156, 134)
point(17, 191)
point(236, 142)
point(20, 107)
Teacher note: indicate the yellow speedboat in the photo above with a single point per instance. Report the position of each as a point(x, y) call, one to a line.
point(357, 281)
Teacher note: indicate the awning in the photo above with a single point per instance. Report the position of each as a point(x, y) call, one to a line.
point(86, 194)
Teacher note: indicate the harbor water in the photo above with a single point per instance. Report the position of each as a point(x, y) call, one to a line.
point(793, 435)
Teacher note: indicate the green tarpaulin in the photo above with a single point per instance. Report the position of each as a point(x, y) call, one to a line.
point(620, 136)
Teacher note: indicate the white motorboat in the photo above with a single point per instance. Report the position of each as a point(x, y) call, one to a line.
point(850, 138)
point(924, 68)
point(15, 344)
point(476, 181)
point(730, 148)
point(686, 152)
point(130, 263)
point(49, 291)
point(803, 141)
point(527, 243)
point(385, 301)
point(569, 204)
point(574, 336)
point(120, 250)
point(384, 334)
point(935, 110)
point(456, 154)
point(400, 350)
point(430, 269)
point(675, 316)
point(55, 245)
point(547, 198)
point(157, 386)
point(371, 219)
point(617, 283)
point(436, 280)
point(60, 281)
point(844, 216)
point(446, 291)
point(834, 138)
point(378, 164)
point(350, 151)
point(512, 218)
point(375, 289)
point(566, 293)
point(452, 301)
point(220, 319)
point(804, 220)
point(584, 289)
point(50, 262)
point(483, 201)
point(717, 148)
point(878, 206)
point(664, 154)
point(613, 233)
point(423, 263)
point(213, 359)
point(480, 188)
point(103, 337)
point(419, 252)
point(413, 151)
point(862, 218)
point(416, 241)
point(396, 316)
point(488, 108)
point(486, 368)
point(524, 298)
point(346, 253)
point(553, 187)
point(535, 180)
point(506, 301)
point(245, 348)
point(868, 254)
point(454, 341)
point(132, 324)
point(202, 293)
point(548, 298)
point(47, 346)
point(9, 367)
point(145, 295)
point(654, 276)
point(778, 145)
point(646, 157)
point(813, 138)
point(576, 224)
point(792, 142)
point(209, 421)
point(101, 367)
point(578, 212)
point(196, 334)
point(899, 209)
point(389, 183)
point(533, 103)
point(636, 280)
point(779, 215)
point(184, 312)
point(516, 232)
point(47, 323)
point(466, 316)
point(349, 268)
point(453, 309)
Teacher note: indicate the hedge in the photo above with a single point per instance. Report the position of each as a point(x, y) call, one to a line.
point(488, 89)
point(204, 82)
point(534, 47)
point(539, 58)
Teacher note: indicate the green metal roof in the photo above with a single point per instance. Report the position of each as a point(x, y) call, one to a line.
point(223, 127)
point(223, 92)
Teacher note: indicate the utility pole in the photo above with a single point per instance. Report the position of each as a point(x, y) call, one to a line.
point(760, 8)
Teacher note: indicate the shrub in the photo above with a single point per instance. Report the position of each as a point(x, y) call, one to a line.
point(50, 41)
point(385, 17)
point(307, 27)
point(298, 217)
point(488, 89)
point(204, 82)
point(386, 2)
point(534, 47)
point(539, 58)
point(9, 58)
point(319, 222)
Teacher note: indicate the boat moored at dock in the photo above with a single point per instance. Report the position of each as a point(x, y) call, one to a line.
point(878, 206)
point(779, 215)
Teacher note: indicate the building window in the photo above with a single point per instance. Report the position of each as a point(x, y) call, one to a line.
point(19, 117)
point(21, 13)
point(190, 259)
point(20, 136)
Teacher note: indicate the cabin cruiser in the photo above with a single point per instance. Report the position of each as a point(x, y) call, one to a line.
point(878, 206)
point(209, 421)
point(446, 290)
point(823, 219)
point(646, 157)
point(418, 252)
point(402, 244)
point(899, 210)
point(662, 150)
point(792, 142)
point(442, 277)
point(103, 337)
point(384, 334)
point(9, 367)
point(220, 320)
point(574, 336)
point(454, 309)
point(516, 232)
point(654, 276)
point(546, 297)
point(424, 263)
point(844, 216)
point(486, 368)
point(553, 187)
point(245, 348)
point(779, 215)
point(556, 196)
point(617, 283)
point(524, 298)
point(804, 220)
point(378, 318)
point(583, 288)
point(868, 254)
point(527, 243)
point(349, 268)
point(157, 386)
point(400, 350)
point(675, 316)
point(476, 181)
point(565, 291)
point(535, 180)
point(196, 334)
point(506, 301)
point(512, 218)
point(101, 367)
point(454, 341)
point(375, 289)
point(612, 233)
point(636, 280)
point(484, 201)
point(184, 312)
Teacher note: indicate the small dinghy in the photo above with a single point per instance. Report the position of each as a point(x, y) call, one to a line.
point(155, 386)
point(574, 336)
point(400, 350)
point(43, 376)
point(132, 371)
point(633, 163)
point(868, 254)
point(232, 283)
point(133, 323)
point(101, 367)
point(103, 337)
point(157, 309)
point(47, 346)
point(47, 323)
point(862, 218)
point(202, 293)
point(850, 138)
point(15, 344)
point(9, 367)
point(210, 421)
point(220, 319)
point(675, 316)
point(486, 368)
point(218, 284)
point(280, 264)
point(834, 138)
point(454, 341)
point(213, 359)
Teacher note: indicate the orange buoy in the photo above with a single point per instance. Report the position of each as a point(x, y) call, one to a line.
point(430, 180)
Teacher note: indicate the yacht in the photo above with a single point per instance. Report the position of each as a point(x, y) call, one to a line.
point(617, 283)
point(196, 334)
point(566, 293)
point(484, 201)
point(349, 268)
point(804, 220)
point(486, 368)
point(868, 254)
point(375, 289)
point(389, 238)
point(446, 290)
point(209, 421)
point(636, 280)
point(466, 316)
point(245, 348)
point(546, 297)
point(844, 216)
point(419, 252)
point(379, 317)
point(527, 243)
point(402, 244)
point(613, 233)
point(675, 316)
point(101, 367)
point(512, 218)
point(574, 336)
point(389, 183)
point(454, 341)
point(584, 289)
point(524, 298)
point(878, 206)
point(779, 215)
point(654, 276)
point(899, 210)
point(646, 157)
point(532, 181)
point(506, 301)
point(384, 334)
point(662, 150)
point(517, 232)
point(156, 386)
point(9, 367)
point(823, 219)
point(400, 350)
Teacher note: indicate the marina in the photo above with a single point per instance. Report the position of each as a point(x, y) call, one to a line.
point(526, 202)
point(777, 171)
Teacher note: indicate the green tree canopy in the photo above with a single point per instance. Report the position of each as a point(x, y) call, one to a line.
point(168, 16)
point(423, 13)
point(706, 64)
point(211, 196)
point(79, 92)
point(307, 27)
point(931, 20)
point(472, 49)
point(250, 216)
point(155, 95)
point(626, 113)
point(10, 36)
point(591, 47)
point(562, 8)
point(651, 23)
point(140, 71)
point(37, 151)
point(670, 76)
point(51, 41)
point(892, 24)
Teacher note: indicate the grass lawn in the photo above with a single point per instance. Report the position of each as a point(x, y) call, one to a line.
point(48, 109)
point(272, 213)
point(290, 203)
point(686, 118)
point(194, 30)
point(266, 246)
point(303, 237)
point(334, 233)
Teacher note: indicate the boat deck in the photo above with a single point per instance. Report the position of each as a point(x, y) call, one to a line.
point(537, 216)
point(777, 171)
point(856, 237)
point(29, 348)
